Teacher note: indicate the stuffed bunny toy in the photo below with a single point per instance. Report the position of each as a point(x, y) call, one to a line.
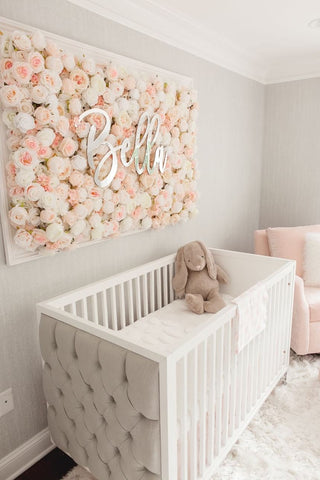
point(197, 278)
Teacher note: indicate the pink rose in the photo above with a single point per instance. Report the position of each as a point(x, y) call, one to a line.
point(39, 237)
point(68, 147)
point(68, 86)
point(47, 216)
point(43, 115)
point(51, 80)
point(25, 158)
point(80, 79)
point(23, 239)
point(34, 192)
point(36, 61)
point(63, 126)
point(21, 72)
point(76, 178)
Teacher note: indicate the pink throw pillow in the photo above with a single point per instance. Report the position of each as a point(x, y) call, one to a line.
point(288, 242)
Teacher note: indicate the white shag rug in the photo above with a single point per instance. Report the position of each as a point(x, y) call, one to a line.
point(283, 440)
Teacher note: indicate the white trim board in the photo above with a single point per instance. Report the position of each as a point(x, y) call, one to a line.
point(151, 18)
point(26, 455)
point(175, 28)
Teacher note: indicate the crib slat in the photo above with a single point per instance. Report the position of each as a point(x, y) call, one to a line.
point(84, 308)
point(152, 305)
point(202, 405)
point(218, 402)
point(211, 396)
point(244, 382)
point(233, 378)
point(73, 309)
point(171, 292)
point(114, 319)
point(138, 297)
point(226, 382)
point(95, 316)
point(122, 306)
point(104, 308)
point(159, 288)
point(130, 303)
point(165, 285)
point(145, 294)
point(184, 420)
point(193, 366)
point(238, 407)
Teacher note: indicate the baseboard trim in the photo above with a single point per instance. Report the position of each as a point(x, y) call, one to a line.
point(26, 455)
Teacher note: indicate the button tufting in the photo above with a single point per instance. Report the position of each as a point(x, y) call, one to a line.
point(112, 400)
point(116, 451)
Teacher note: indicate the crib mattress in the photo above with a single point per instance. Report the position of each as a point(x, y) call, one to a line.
point(164, 330)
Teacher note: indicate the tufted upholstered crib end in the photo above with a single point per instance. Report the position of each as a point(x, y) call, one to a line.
point(103, 403)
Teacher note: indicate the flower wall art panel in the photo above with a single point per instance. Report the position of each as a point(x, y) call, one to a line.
point(94, 145)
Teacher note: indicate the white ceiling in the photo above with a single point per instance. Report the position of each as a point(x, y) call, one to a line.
point(268, 40)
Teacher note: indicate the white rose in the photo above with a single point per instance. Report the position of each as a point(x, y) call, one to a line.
point(46, 136)
point(80, 211)
point(52, 101)
point(25, 106)
point(97, 232)
point(146, 223)
point(108, 207)
point(68, 61)
point(54, 63)
point(6, 47)
point(21, 40)
point(79, 163)
point(54, 231)
point(34, 192)
point(124, 120)
point(75, 106)
point(8, 117)
point(144, 200)
point(48, 201)
point(90, 96)
point(24, 177)
point(98, 84)
point(78, 228)
point(39, 94)
point(18, 215)
point(63, 207)
point(126, 224)
point(23, 239)
point(89, 66)
point(134, 94)
point(24, 122)
point(38, 40)
point(176, 207)
point(109, 96)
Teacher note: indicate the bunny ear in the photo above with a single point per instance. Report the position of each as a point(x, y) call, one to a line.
point(211, 266)
point(181, 272)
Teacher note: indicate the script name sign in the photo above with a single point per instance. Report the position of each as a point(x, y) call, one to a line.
point(150, 125)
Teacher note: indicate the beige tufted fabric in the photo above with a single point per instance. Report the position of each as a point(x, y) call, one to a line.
point(103, 403)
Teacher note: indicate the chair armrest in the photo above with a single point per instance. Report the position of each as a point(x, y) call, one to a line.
point(300, 320)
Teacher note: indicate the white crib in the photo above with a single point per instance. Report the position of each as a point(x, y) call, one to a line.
point(194, 394)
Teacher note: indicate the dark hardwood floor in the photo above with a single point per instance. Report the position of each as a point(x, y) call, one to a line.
point(52, 467)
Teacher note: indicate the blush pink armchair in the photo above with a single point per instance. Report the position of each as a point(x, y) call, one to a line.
point(289, 243)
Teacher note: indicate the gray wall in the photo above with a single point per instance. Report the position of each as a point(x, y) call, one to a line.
point(230, 150)
point(291, 165)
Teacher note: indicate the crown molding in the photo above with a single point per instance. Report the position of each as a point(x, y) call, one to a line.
point(169, 26)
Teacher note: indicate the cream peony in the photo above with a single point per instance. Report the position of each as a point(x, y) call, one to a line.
point(79, 163)
point(78, 227)
point(54, 63)
point(34, 192)
point(10, 95)
point(68, 61)
point(22, 72)
point(51, 80)
point(18, 216)
point(39, 94)
point(98, 84)
point(23, 239)
point(89, 66)
point(80, 79)
point(21, 40)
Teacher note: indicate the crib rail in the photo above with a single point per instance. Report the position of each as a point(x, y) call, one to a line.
point(219, 390)
point(123, 299)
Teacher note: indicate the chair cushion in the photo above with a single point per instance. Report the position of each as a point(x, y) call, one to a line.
point(288, 242)
point(313, 299)
point(311, 264)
